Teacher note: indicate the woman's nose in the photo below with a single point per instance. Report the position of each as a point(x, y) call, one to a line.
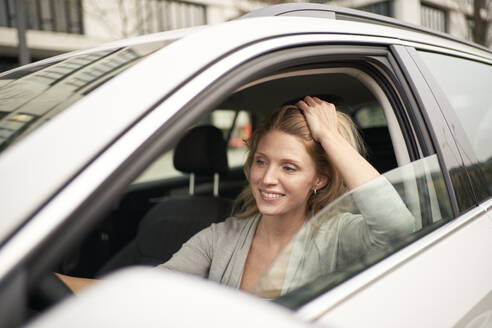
point(270, 176)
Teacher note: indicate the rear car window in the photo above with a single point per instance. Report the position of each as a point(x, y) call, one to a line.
point(236, 127)
point(466, 84)
point(34, 95)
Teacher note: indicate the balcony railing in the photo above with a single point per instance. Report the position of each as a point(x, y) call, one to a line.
point(162, 15)
point(67, 15)
point(46, 15)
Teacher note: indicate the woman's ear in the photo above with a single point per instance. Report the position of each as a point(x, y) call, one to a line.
point(320, 182)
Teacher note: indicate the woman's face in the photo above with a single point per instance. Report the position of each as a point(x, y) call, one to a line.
point(283, 175)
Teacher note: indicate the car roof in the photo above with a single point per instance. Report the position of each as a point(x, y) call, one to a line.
point(122, 110)
point(342, 13)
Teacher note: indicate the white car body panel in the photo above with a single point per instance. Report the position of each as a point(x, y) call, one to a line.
point(446, 254)
point(150, 298)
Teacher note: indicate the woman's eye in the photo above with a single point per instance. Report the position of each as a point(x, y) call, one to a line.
point(260, 162)
point(289, 169)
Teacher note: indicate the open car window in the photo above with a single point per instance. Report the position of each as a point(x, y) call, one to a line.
point(357, 230)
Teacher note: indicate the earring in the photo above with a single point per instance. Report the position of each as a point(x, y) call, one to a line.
point(314, 191)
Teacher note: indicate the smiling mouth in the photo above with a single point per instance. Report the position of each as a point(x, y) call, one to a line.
point(270, 195)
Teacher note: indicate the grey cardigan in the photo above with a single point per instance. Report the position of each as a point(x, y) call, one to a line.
point(219, 252)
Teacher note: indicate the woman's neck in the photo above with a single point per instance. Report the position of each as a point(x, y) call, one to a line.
point(278, 230)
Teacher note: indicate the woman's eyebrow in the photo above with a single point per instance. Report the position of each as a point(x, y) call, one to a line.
point(260, 154)
point(282, 160)
point(291, 161)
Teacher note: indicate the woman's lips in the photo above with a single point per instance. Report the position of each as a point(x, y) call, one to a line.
point(270, 195)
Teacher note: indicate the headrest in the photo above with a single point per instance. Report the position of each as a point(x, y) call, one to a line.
point(202, 151)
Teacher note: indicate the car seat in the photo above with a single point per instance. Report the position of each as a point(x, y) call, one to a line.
point(202, 152)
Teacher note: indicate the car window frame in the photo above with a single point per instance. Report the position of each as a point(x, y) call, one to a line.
point(382, 65)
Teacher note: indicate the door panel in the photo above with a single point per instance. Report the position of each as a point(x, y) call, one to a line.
point(437, 287)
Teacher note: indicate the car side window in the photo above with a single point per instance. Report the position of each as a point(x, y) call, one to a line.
point(370, 116)
point(236, 126)
point(371, 222)
point(466, 84)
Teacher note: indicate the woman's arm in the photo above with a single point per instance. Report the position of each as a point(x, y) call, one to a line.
point(384, 215)
point(74, 283)
point(323, 124)
point(192, 258)
point(195, 256)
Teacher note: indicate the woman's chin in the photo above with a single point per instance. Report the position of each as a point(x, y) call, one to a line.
point(268, 211)
point(264, 211)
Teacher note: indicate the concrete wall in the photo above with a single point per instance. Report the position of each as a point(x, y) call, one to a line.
point(106, 21)
point(409, 11)
point(114, 19)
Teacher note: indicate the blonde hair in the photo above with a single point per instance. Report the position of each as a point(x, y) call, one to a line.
point(290, 119)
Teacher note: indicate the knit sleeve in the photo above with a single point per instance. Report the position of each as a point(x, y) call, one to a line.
point(383, 219)
point(195, 256)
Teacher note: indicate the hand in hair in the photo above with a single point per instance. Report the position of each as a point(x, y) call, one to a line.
point(321, 116)
point(332, 130)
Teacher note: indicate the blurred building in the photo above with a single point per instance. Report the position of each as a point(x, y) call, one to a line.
point(58, 26)
point(449, 16)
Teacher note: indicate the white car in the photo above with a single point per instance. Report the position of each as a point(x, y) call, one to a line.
point(93, 179)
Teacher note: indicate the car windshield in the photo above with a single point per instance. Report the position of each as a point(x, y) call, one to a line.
point(32, 96)
point(357, 230)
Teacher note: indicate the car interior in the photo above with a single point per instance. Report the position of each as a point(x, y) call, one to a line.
point(196, 182)
point(174, 198)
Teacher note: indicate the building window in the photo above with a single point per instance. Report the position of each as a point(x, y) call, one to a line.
point(46, 15)
point(162, 15)
point(381, 8)
point(433, 17)
point(469, 28)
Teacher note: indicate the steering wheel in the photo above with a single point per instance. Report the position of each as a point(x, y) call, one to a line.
point(48, 292)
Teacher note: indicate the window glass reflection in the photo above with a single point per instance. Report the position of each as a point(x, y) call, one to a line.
point(467, 86)
point(357, 230)
point(30, 98)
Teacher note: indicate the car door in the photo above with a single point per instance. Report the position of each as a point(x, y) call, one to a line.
point(440, 279)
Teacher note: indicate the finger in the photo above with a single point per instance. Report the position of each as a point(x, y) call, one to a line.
point(302, 105)
point(310, 101)
point(317, 100)
point(331, 106)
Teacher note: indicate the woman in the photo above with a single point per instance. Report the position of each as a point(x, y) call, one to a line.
point(300, 160)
